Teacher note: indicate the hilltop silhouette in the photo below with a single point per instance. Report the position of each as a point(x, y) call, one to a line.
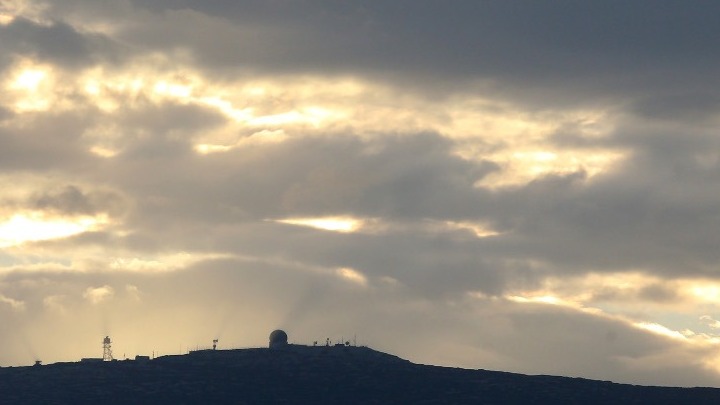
point(293, 374)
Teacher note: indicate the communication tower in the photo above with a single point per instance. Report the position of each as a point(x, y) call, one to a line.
point(107, 350)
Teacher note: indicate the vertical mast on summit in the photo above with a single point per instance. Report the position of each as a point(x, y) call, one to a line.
point(107, 350)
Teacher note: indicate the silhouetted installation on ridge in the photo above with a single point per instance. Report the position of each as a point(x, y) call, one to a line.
point(328, 375)
point(278, 339)
point(107, 349)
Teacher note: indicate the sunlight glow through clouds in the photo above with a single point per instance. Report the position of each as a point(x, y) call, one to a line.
point(706, 292)
point(347, 224)
point(334, 224)
point(103, 151)
point(97, 295)
point(685, 335)
point(6, 19)
point(480, 230)
point(160, 263)
point(352, 275)
point(528, 151)
point(274, 110)
point(11, 9)
point(521, 167)
point(660, 330)
point(32, 227)
point(28, 79)
point(581, 294)
point(556, 301)
point(29, 87)
point(245, 104)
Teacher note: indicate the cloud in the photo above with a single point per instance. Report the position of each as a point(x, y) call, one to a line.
point(134, 292)
point(712, 323)
point(14, 304)
point(55, 303)
point(520, 186)
point(71, 200)
point(56, 42)
point(528, 52)
point(96, 295)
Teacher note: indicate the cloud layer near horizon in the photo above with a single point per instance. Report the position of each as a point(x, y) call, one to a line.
point(522, 186)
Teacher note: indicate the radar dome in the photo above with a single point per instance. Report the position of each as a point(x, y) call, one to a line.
point(278, 338)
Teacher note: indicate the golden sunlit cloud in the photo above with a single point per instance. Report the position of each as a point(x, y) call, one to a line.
point(480, 230)
point(11, 9)
point(710, 322)
point(555, 301)
point(544, 299)
point(622, 296)
point(660, 330)
point(103, 152)
point(14, 304)
point(97, 295)
point(707, 291)
point(173, 89)
point(275, 109)
point(686, 335)
point(30, 86)
point(32, 227)
point(256, 139)
point(335, 224)
point(522, 167)
point(28, 79)
point(205, 148)
point(352, 275)
point(312, 115)
point(347, 224)
point(162, 263)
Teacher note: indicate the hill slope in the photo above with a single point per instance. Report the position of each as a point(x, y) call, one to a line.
point(312, 375)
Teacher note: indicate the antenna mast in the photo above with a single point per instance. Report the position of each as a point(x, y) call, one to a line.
point(107, 350)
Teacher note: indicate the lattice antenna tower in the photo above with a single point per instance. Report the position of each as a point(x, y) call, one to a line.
point(107, 349)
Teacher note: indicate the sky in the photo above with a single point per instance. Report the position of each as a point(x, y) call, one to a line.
point(524, 186)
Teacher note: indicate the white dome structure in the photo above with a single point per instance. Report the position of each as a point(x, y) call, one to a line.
point(278, 338)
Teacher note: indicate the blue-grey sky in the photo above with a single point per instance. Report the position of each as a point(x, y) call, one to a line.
point(527, 186)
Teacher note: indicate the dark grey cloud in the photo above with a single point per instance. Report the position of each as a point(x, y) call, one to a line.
point(167, 118)
point(659, 293)
point(690, 108)
point(530, 50)
point(576, 224)
point(5, 114)
point(73, 200)
point(49, 140)
point(56, 42)
point(399, 176)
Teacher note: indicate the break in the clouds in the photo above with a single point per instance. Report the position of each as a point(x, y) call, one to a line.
point(523, 186)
